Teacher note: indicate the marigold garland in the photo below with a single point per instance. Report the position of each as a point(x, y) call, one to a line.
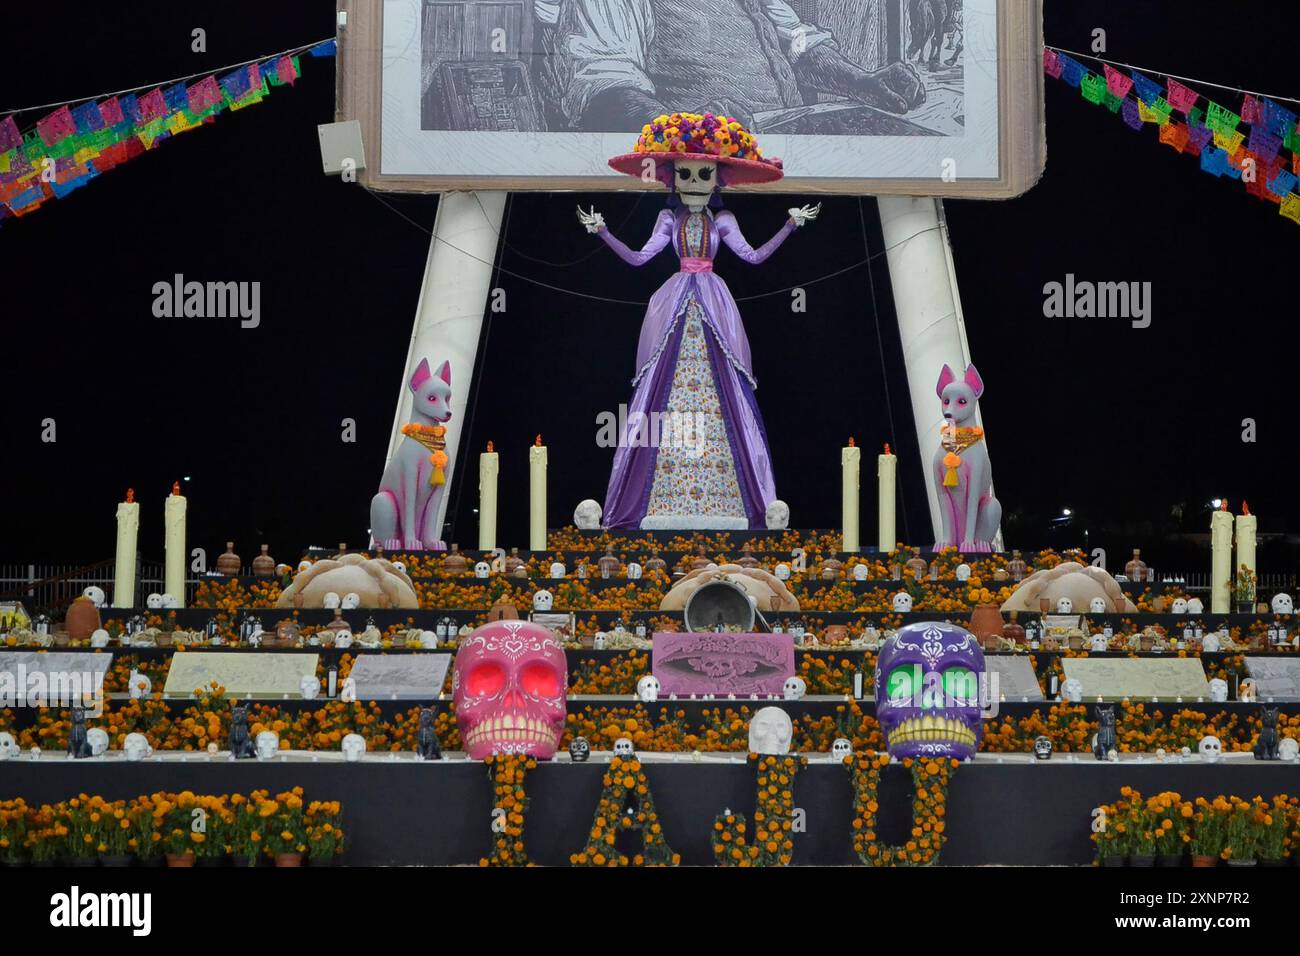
point(929, 798)
point(771, 843)
point(626, 803)
point(510, 803)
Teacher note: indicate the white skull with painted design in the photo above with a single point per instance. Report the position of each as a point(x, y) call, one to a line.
point(770, 732)
point(902, 602)
point(777, 517)
point(1097, 606)
point(623, 748)
point(1218, 690)
point(136, 747)
point(794, 688)
point(354, 748)
point(647, 689)
point(963, 572)
point(782, 572)
point(841, 748)
point(543, 600)
point(309, 687)
point(9, 749)
point(482, 569)
point(587, 515)
point(97, 737)
point(557, 570)
point(170, 601)
point(154, 602)
point(1179, 606)
point(99, 638)
point(267, 744)
point(1098, 643)
point(695, 181)
point(1282, 604)
point(1288, 749)
point(1072, 690)
point(96, 595)
point(1064, 605)
point(1210, 748)
point(861, 572)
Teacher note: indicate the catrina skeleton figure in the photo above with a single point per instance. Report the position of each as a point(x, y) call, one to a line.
point(694, 452)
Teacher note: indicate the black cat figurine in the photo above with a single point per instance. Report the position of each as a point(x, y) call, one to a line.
point(1266, 747)
point(426, 740)
point(1105, 733)
point(78, 744)
point(241, 741)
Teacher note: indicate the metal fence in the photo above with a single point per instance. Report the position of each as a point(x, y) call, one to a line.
point(50, 588)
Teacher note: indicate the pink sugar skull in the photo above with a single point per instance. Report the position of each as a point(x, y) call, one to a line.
point(509, 683)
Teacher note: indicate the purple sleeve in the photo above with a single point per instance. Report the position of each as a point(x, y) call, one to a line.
point(730, 232)
point(658, 239)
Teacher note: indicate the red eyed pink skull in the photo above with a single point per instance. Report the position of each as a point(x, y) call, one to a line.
point(510, 684)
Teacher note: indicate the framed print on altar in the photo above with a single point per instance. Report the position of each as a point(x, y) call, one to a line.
point(914, 97)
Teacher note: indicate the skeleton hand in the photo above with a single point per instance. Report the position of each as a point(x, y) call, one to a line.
point(593, 221)
point(805, 215)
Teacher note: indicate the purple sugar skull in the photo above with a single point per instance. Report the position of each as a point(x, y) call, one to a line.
point(928, 678)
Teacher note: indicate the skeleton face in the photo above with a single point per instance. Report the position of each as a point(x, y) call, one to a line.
point(1282, 604)
point(268, 744)
point(1064, 605)
point(138, 685)
point(331, 601)
point(1218, 690)
point(1210, 749)
point(963, 572)
point(647, 688)
point(170, 601)
point(770, 731)
point(99, 638)
point(557, 570)
point(623, 748)
point(794, 688)
point(343, 639)
point(1195, 606)
point(309, 687)
point(354, 748)
point(927, 691)
point(1072, 690)
point(587, 515)
point(841, 748)
point(1210, 642)
point(783, 572)
point(95, 594)
point(633, 571)
point(1288, 749)
point(694, 178)
point(9, 749)
point(860, 572)
point(97, 737)
point(1097, 606)
point(1179, 606)
point(902, 602)
point(482, 569)
point(778, 515)
point(1098, 643)
point(1043, 748)
point(579, 750)
point(154, 601)
point(136, 747)
point(543, 600)
point(351, 601)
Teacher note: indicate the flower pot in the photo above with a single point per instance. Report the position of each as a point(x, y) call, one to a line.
point(127, 860)
point(1169, 859)
point(1199, 860)
point(288, 859)
point(1113, 860)
point(180, 859)
point(986, 623)
point(1142, 861)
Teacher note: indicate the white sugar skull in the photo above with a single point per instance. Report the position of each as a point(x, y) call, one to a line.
point(770, 731)
point(482, 569)
point(777, 517)
point(543, 600)
point(1072, 690)
point(782, 572)
point(154, 601)
point(267, 744)
point(138, 685)
point(351, 601)
point(331, 601)
point(558, 570)
point(1210, 643)
point(170, 601)
point(343, 639)
point(633, 571)
point(1218, 690)
point(794, 688)
point(1247, 691)
point(963, 572)
point(1210, 749)
point(99, 638)
point(587, 515)
point(1042, 747)
point(841, 748)
point(623, 748)
point(1195, 606)
point(136, 747)
point(1179, 606)
point(1288, 749)
point(9, 749)
point(861, 572)
point(96, 595)
point(97, 737)
point(1097, 606)
point(1064, 605)
point(309, 687)
point(1098, 643)
point(1282, 604)
point(647, 688)
point(902, 602)
point(354, 748)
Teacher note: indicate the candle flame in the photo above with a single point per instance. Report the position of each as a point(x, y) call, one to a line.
point(1223, 504)
point(491, 448)
point(1245, 508)
point(887, 451)
point(852, 443)
point(130, 495)
point(538, 441)
point(176, 487)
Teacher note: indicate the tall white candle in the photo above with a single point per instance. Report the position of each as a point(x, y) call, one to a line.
point(851, 467)
point(174, 539)
point(1220, 560)
point(537, 496)
point(488, 468)
point(886, 476)
point(1246, 528)
point(128, 531)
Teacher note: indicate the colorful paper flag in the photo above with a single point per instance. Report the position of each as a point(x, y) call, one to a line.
point(1130, 113)
point(10, 138)
point(1117, 82)
point(1051, 63)
point(1180, 97)
point(1093, 88)
point(1148, 90)
point(56, 127)
point(1290, 208)
point(1171, 134)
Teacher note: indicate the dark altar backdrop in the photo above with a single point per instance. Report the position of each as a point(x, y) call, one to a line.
point(1134, 430)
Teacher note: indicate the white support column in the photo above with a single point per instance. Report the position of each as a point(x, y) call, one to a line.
point(930, 323)
point(449, 316)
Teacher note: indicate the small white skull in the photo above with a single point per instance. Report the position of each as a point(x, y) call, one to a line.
point(342, 639)
point(902, 602)
point(154, 601)
point(557, 570)
point(1097, 606)
point(1179, 606)
point(9, 749)
point(351, 601)
point(963, 572)
point(96, 595)
point(841, 748)
point(1210, 642)
point(647, 689)
point(794, 688)
point(861, 572)
point(482, 569)
point(633, 571)
point(777, 517)
point(97, 737)
point(309, 687)
point(1218, 690)
point(1288, 749)
point(543, 600)
point(136, 747)
point(170, 601)
point(1195, 606)
point(1072, 690)
point(1282, 604)
point(331, 600)
point(587, 515)
point(267, 744)
point(1064, 605)
point(1098, 643)
point(138, 685)
point(623, 748)
point(354, 748)
point(770, 731)
point(99, 638)
point(782, 572)
point(1210, 749)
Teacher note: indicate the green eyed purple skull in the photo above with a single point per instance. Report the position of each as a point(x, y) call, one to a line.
point(928, 678)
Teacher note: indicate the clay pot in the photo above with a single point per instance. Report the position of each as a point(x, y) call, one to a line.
point(697, 562)
point(180, 859)
point(82, 620)
point(514, 563)
point(338, 624)
point(831, 568)
point(655, 563)
point(455, 562)
point(1013, 632)
point(288, 859)
point(986, 624)
point(229, 563)
point(747, 559)
point(608, 564)
point(503, 610)
point(264, 564)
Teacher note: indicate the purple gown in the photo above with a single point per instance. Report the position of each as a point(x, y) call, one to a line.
point(694, 452)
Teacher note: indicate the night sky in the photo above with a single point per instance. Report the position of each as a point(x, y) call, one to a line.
point(1134, 430)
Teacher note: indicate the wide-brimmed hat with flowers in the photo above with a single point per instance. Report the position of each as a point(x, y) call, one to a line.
point(700, 136)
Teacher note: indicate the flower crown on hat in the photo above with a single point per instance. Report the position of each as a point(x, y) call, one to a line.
point(701, 134)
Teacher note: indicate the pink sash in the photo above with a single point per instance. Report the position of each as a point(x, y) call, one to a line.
point(694, 265)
